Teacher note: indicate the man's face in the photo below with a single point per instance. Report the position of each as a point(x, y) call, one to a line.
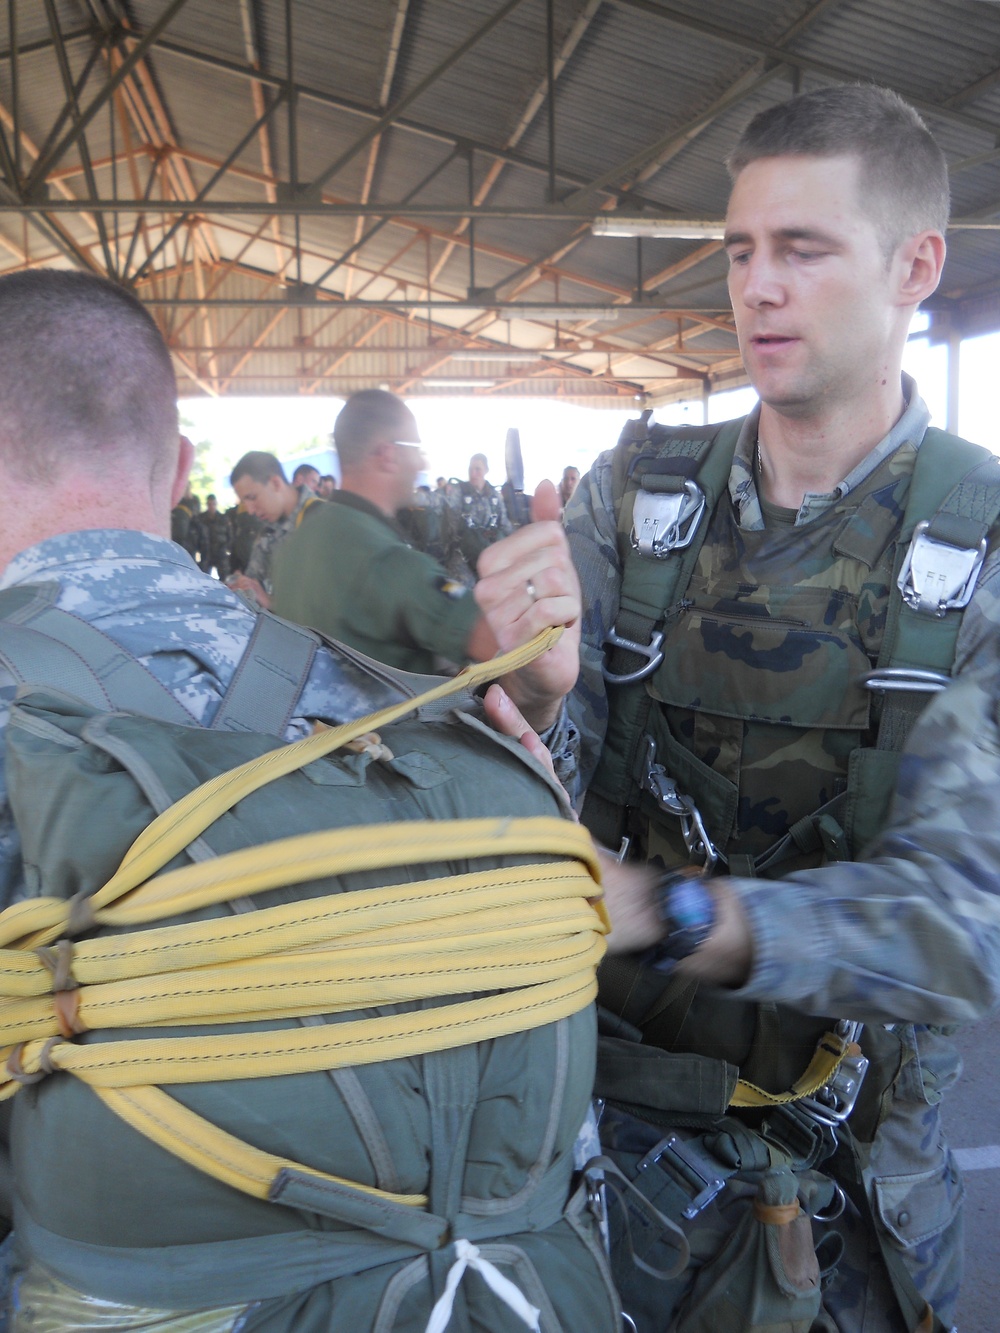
point(571, 479)
point(412, 462)
point(477, 473)
point(263, 499)
point(809, 283)
point(308, 477)
point(211, 504)
point(325, 488)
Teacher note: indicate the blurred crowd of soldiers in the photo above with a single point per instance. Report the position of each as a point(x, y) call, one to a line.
point(454, 521)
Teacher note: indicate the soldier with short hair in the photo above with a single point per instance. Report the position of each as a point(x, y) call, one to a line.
point(318, 1194)
point(263, 489)
point(769, 606)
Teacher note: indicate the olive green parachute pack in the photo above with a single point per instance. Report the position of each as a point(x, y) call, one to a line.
point(301, 1035)
point(672, 1058)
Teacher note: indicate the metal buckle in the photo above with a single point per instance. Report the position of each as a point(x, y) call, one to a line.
point(652, 651)
point(835, 1101)
point(693, 1166)
point(937, 577)
point(892, 679)
point(665, 521)
point(663, 790)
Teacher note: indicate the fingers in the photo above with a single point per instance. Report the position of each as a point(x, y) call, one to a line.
point(504, 717)
point(545, 504)
point(528, 583)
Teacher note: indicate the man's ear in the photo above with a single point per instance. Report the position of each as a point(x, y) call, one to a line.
point(185, 457)
point(920, 259)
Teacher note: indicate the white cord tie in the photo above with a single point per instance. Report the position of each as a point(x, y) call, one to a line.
point(467, 1256)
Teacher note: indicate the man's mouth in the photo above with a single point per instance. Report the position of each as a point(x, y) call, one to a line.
point(771, 340)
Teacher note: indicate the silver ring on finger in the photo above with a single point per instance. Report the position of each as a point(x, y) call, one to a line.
point(531, 590)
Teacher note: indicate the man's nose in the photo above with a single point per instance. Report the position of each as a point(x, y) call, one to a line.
point(760, 282)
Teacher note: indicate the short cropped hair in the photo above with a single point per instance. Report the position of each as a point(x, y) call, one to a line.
point(303, 471)
point(258, 465)
point(84, 375)
point(904, 174)
point(366, 418)
point(480, 458)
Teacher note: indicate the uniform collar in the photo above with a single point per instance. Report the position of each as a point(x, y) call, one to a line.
point(92, 544)
point(911, 426)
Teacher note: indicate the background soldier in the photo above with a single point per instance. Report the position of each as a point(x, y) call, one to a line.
point(260, 482)
point(216, 538)
point(482, 510)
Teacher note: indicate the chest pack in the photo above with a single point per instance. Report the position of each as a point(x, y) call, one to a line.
point(313, 1015)
point(828, 638)
point(718, 1110)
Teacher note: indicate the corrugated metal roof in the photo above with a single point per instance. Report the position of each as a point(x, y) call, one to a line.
point(649, 98)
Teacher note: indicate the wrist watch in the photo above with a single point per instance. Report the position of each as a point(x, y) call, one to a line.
point(686, 908)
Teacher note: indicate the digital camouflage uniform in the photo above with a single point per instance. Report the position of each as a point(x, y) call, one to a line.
point(910, 936)
point(260, 566)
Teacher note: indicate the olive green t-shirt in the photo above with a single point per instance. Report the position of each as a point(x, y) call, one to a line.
point(349, 572)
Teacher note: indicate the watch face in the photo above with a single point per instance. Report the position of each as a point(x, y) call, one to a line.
point(687, 910)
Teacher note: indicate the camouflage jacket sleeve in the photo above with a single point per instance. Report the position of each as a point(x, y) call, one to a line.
point(911, 932)
point(590, 525)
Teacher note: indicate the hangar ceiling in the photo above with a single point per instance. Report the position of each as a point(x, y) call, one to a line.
point(317, 196)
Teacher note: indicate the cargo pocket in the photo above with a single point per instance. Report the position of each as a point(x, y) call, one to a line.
point(765, 1276)
point(914, 1208)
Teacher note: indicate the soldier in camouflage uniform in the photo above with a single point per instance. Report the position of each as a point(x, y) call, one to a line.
point(755, 701)
point(260, 483)
point(244, 530)
point(481, 513)
point(215, 526)
point(188, 630)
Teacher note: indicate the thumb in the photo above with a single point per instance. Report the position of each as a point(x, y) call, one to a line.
point(545, 505)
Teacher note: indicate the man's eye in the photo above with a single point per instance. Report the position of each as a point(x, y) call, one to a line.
point(738, 257)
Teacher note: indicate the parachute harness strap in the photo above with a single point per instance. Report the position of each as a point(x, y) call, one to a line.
point(530, 935)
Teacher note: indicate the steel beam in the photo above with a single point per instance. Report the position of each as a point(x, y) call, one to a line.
point(836, 72)
point(311, 207)
point(48, 160)
point(197, 204)
point(338, 103)
point(72, 106)
point(45, 43)
point(522, 310)
point(399, 106)
point(384, 222)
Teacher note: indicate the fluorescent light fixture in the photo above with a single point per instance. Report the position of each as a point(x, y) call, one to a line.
point(680, 229)
point(557, 312)
point(459, 384)
point(501, 354)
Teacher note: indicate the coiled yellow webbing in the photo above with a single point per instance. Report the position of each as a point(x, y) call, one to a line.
point(530, 934)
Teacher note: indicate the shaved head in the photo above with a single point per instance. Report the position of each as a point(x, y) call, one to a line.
point(85, 377)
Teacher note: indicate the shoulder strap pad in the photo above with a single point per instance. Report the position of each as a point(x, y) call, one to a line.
point(40, 644)
point(955, 492)
point(269, 678)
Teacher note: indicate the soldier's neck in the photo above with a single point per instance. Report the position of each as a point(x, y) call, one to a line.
point(810, 455)
point(32, 513)
point(375, 489)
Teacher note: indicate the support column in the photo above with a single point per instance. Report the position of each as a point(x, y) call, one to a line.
point(954, 366)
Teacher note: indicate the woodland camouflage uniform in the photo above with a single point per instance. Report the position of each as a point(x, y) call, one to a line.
point(908, 937)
